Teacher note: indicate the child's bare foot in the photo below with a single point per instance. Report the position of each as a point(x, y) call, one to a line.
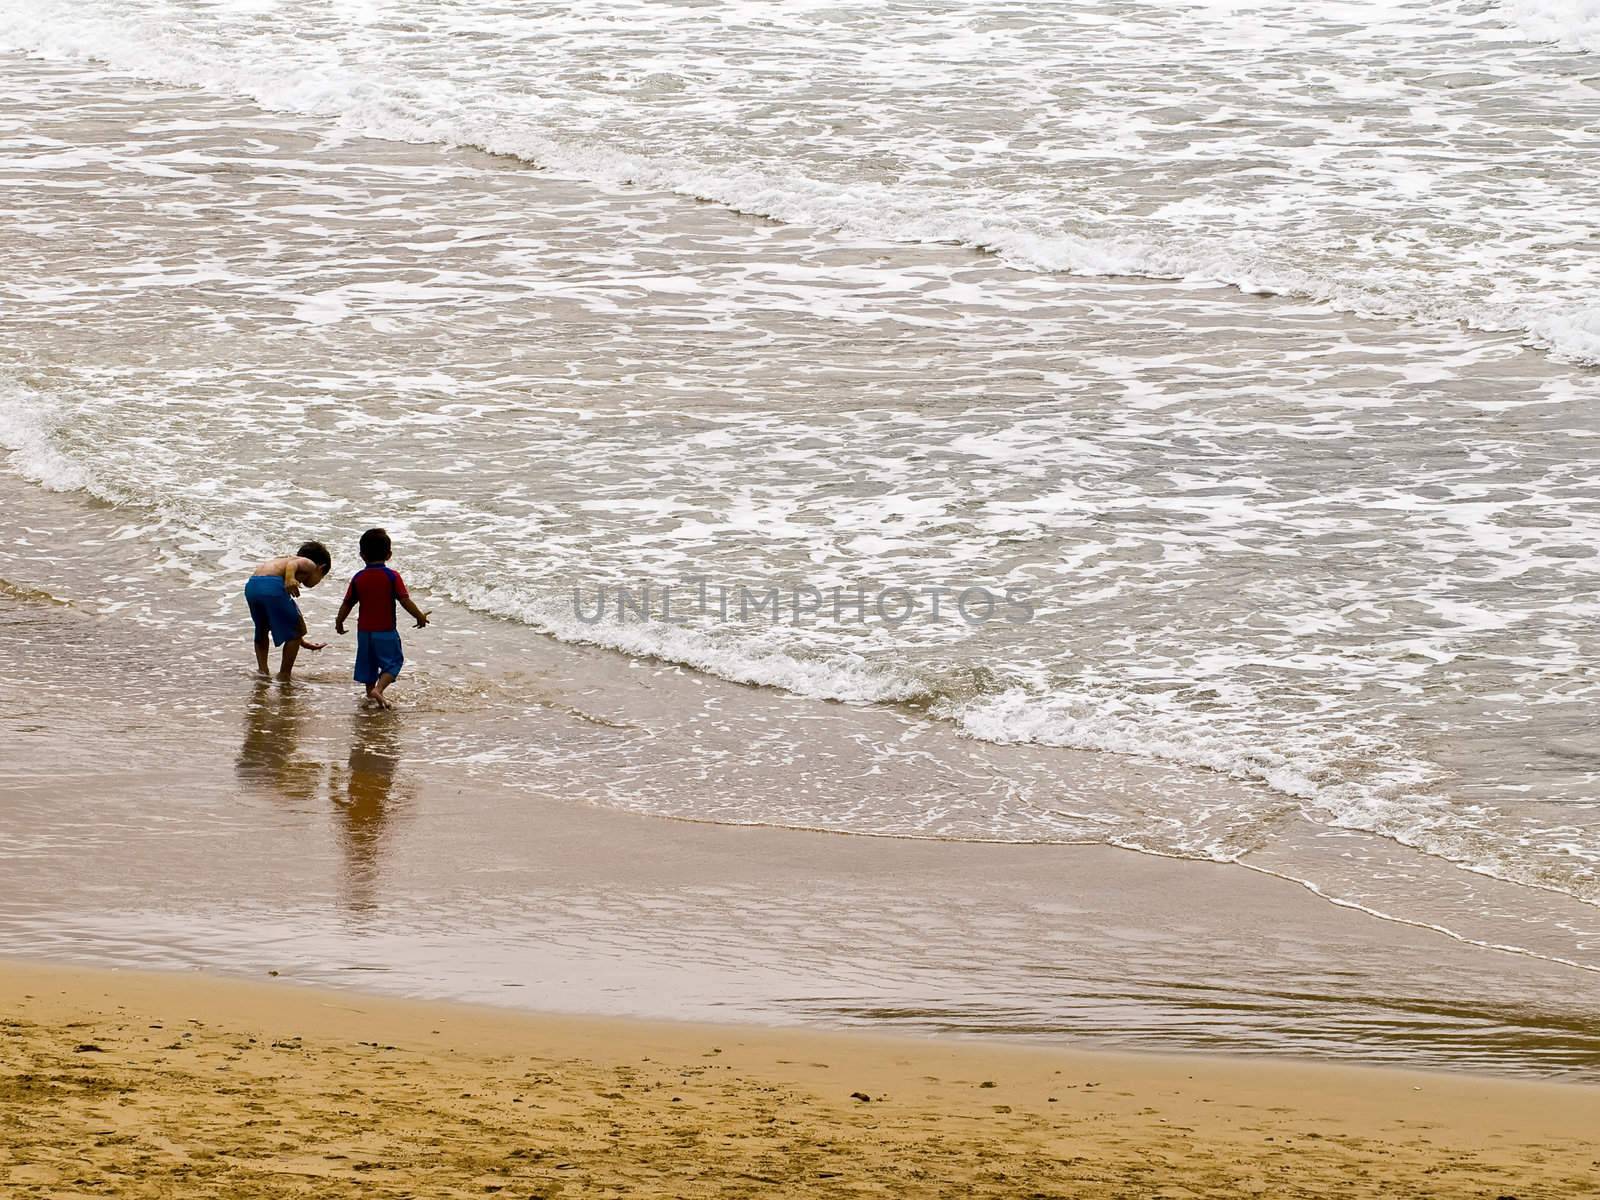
point(381, 686)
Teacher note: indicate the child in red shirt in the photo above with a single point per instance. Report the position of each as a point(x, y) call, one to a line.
point(377, 589)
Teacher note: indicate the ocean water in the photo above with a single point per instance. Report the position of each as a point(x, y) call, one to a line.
point(1225, 371)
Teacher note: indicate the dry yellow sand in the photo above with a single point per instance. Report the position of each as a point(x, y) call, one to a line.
point(149, 1085)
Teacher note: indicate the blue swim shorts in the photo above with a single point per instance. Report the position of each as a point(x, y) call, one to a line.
point(272, 608)
point(377, 653)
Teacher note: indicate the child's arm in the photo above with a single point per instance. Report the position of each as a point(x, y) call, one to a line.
point(405, 603)
point(291, 574)
point(344, 612)
point(309, 645)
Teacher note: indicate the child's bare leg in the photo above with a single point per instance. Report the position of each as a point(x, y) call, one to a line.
point(384, 680)
point(291, 651)
point(262, 645)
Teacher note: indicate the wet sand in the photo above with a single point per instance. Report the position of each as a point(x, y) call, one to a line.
point(145, 1084)
point(170, 812)
point(618, 385)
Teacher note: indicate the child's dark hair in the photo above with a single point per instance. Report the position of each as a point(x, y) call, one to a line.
point(375, 547)
point(317, 553)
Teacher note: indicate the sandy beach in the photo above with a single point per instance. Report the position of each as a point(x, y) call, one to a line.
point(1198, 796)
point(140, 1084)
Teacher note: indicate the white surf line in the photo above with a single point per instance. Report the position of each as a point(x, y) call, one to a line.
point(873, 212)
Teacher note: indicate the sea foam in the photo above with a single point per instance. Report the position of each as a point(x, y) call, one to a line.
point(28, 423)
point(372, 98)
point(1571, 24)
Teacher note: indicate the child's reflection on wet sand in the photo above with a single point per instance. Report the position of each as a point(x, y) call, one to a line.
point(366, 799)
point(270, 756)
point(366, 790)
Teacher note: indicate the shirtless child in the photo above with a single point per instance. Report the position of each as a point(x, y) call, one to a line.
point(270, 593)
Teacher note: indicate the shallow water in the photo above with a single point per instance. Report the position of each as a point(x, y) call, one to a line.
point(164, 810)
point(1309, 587)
